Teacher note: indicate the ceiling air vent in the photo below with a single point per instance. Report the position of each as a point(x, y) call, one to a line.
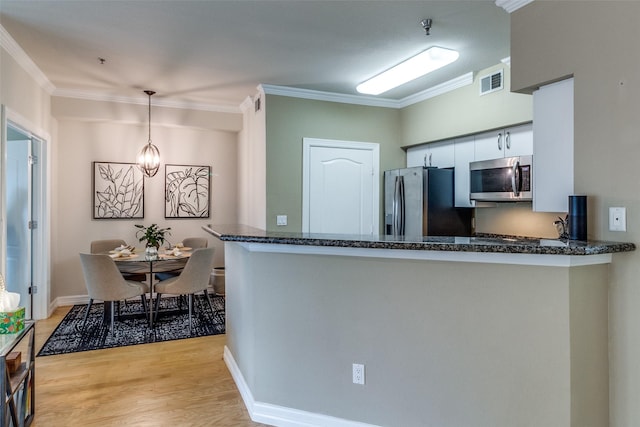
point(491, 83)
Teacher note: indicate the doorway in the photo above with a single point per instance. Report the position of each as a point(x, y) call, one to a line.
point(341, 187)
point(24, 263)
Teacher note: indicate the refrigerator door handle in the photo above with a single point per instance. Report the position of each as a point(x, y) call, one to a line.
point(398, 206)
point(396, 190)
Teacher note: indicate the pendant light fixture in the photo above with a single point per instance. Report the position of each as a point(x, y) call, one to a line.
point(149, 157)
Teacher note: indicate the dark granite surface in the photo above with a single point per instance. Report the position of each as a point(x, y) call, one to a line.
point(478, 243)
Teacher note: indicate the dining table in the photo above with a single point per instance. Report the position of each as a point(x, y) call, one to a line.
point(136, 260)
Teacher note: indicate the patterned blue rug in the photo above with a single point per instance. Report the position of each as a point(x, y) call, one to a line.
point(131, 326)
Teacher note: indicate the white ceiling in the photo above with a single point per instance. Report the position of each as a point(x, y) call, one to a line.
point(217, 52)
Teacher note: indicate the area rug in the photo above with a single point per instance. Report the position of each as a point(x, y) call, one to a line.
point(131, 327)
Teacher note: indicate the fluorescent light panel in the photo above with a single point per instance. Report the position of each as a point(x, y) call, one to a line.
point(417, 66)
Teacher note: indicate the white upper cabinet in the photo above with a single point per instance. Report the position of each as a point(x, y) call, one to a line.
point(508, 142)
point(459, 152)
point(437, 154)
point(464, 153)
point(553, 147)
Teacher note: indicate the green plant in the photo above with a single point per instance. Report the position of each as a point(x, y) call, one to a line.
point(153, 235)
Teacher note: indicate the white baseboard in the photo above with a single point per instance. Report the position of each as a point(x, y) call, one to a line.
point(280, 416)
point(68, 300)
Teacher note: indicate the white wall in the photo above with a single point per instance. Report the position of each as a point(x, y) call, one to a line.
point(252, 164)
point(20, 92)
point(114, 132)
point(26, 100)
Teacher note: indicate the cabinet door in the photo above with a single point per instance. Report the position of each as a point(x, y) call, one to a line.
point(441, 154)
point(464, 153)
point(437, 154)
point(518, 141)
point(489, 145)
point(416, 155)
point(553, 147)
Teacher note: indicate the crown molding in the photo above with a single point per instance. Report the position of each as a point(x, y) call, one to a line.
point(512, 5)
point(442, 88)
point(328, 96)
point(20, 56)
point(157, 102)
point(370, 101)
point(246, 104)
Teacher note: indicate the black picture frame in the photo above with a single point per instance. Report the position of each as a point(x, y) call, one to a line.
point(118, 191)
point(187, 191)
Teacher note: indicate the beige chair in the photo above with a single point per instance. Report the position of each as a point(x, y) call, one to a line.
point(189, 242)
point(104, 246)
point(194, 278)
point(195, 242)
point(105, 283)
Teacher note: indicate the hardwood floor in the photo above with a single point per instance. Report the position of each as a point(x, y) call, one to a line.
point(175, 383)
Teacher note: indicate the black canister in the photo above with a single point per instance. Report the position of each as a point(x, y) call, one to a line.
point(578, 217)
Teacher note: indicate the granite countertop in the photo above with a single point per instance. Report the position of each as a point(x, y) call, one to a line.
point(478, 243)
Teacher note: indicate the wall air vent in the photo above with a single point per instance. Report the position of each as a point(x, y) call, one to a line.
point(491, 83)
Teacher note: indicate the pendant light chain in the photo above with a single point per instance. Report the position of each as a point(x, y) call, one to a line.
point(149, 123)
point(149, 92)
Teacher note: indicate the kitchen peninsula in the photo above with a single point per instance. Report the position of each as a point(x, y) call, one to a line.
point(480, 331)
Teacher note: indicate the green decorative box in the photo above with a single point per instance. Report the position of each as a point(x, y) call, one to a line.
point(12, 321)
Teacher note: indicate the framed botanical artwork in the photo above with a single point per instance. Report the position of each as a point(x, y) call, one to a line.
point(118, 191)
point(186, 191)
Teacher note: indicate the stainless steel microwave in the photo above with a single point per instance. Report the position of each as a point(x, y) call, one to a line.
point(501, 180)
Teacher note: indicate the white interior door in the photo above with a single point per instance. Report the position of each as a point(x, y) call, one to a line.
point(18, 185)
point(24, 211)
point(340, 187)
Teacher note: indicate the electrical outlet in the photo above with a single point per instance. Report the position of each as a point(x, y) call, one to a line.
point(617, 219)
point(358, 373)
point(281, 220)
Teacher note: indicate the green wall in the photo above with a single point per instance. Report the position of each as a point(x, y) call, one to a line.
point(289, 120)
point(464, 111)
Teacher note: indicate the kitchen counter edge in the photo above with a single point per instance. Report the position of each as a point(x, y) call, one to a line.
point(479, 243)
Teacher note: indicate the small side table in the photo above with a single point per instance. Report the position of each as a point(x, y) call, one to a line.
point(18, 388)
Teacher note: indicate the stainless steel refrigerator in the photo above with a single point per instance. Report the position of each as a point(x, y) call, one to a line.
point(420, 202)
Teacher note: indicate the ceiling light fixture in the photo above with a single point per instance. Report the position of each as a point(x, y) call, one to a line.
point(149, 157)
point(417, 66)
point(426, 25)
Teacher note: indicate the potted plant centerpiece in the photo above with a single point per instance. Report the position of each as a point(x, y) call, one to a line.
point(154, 237)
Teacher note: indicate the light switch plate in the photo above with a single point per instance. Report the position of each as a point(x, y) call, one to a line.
point(281, 220)
point(617, 219)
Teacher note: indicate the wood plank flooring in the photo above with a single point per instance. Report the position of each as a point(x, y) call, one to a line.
point(176, 383)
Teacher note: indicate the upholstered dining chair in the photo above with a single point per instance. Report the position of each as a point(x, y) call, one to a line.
point(105, 283)
point(106, 245)
point(195, 242)
point(189, 242)
point(193, 278)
